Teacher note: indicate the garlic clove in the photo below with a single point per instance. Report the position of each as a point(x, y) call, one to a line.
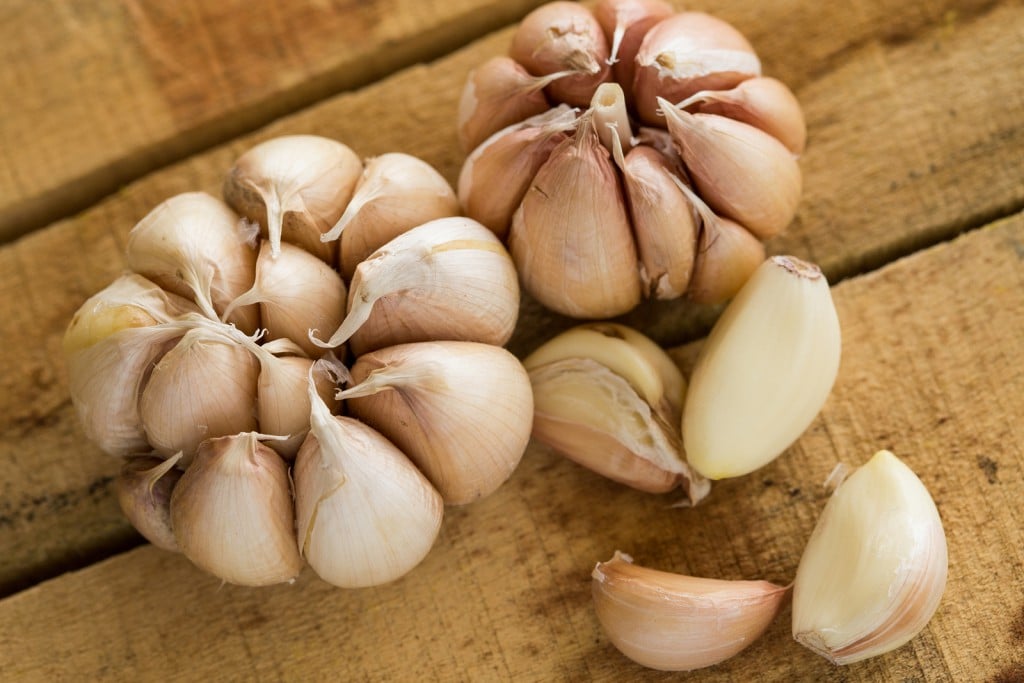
point(202, 388)
point(194, 245)
point(687, 53)
point(741, 172)
point(563, 36)
point(231, 512)
point(282, 399)
point(462, 411)
point(673, 622)
point(765, 103)
point(296, 293)
point(509, 160)
point(295, 187)
point(395, 193)
point(571, 238)
point(608, 398)
point(764, 372)
point(449, 279)
point(625, 23)
point(874, 570)
point(143, 489)
point(364, 514)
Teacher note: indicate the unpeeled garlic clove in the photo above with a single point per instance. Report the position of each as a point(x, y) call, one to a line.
point(874, 570)
point(625, 23)
point(364, 514)
point(462, 411)
point(282, 399)
point(687, 53)
point(143, 489)
point(395, 193)
point(571, 239)
point(741, 172)
point(231, 512)
point(449, 279)
point(765, 103)
point(296, 292)
point(608, 398)
point(295, 187)
point(195, 246)
point(764, 372)
point(202, 388)
point(563, 36)
point(509, 160)
point(673, 622)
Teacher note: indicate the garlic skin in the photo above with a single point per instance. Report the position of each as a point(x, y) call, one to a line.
point(194, 245)
point(673, 622)
point(364, 514)
point(294, 187)
point(231, 512)
point(764, 372)
point(609, 398)
point(625, 23)
point(282, 399)
point(462, 411)
point(395, 193)
point(143, 489)
point(874, 570)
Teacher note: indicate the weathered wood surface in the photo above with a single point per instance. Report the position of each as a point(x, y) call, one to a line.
point(930, 371)
point(96, 94)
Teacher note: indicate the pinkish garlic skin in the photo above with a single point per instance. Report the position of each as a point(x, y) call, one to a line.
point(498, 93)
point(625, 23)
point(145, 499)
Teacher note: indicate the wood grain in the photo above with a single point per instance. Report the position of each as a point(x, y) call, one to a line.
point(930, 370)
point(97, 94)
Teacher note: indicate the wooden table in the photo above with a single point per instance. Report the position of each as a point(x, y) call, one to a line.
point(914, 191)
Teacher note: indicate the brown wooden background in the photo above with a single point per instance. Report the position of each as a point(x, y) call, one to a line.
point(913, 204)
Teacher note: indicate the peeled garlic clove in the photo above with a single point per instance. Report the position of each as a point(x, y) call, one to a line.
point(204, 387)
point(685, 54)
point(282, 399)
point(765, 103)
point(873, 573)
point(625, 23)
point(563, 36)
point(395, 193)
point(509, 160)
point(462, 411)
point(741, 172)
point(364, 514)
point(195, 246)
point(231, 512)
point(607, 398)
point(673, 622)
point(764, 371)
point(449, 279)
point(295, 187)
point(296, 293)
point(143, 490)
point(571, 239)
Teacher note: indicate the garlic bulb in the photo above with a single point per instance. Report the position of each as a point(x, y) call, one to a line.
point(231, 512)
point(873, 573)
point(143, 489)
point(764, 372)
point(609, 398)
point(673, 622)
point(294, 187)
point(364, 513)
point(462, 411)
point(591, 238)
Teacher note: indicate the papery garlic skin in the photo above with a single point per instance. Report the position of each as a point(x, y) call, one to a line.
point(673, 622)
point(874, 570)
point(764, 372)
point(282, 400)
point(143, 489)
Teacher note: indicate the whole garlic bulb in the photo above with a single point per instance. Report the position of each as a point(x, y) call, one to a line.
point(593, 213)
point(206, 367)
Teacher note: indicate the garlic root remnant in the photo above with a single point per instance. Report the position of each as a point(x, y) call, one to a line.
point(873, 573)
point(674, 622)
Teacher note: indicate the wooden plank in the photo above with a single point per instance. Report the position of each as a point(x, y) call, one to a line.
point(849, 182)
point(101, 93)
point(930, 370)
